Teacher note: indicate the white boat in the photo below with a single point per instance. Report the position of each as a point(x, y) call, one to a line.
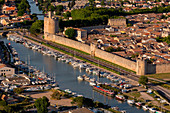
point(145, 108)
point(153, 110)
point(68, 91)
point(92, 83)
point(138, 104)
point(130, 101)
point(80, 78)
point(120, 97)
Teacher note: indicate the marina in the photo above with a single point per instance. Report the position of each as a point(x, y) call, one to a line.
point(66, 74)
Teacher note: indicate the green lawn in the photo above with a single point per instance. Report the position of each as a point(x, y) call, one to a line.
point(135, 94)
point(161, 76)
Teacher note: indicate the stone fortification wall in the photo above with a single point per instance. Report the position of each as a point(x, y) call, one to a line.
point(94, 27)
point(117, 22)
point(116, 59)
point(163, 68)
point(71, 43)
point(141, 68)
point(157, 68)
point(98, 53)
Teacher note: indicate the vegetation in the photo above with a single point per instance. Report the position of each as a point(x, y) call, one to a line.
point(67, 15)
point(42, 104)
point(70, 33)
point(57, 95)
point(113, 111)
point(59, 9)
point(161, 76)
point(82, 101)
point(91, 16)
point(71, 4)
point(164, 39)
point(1, 3)
point(111, 49)
point(37, 27)
point(18, 90)
point(135, 94)
point(110, 88)
point(91, 2)
point(143, 80)
point(23, 7)
point(102, 3)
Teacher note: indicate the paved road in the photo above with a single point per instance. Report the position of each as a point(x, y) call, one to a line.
point(165, 93)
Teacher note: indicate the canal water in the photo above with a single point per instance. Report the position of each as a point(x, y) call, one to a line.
point(66, 76)
point(35, 9)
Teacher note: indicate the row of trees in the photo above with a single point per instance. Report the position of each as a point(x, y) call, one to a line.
point(91, 16)
point(91, 12)
point(83, 22)
point(23, 7)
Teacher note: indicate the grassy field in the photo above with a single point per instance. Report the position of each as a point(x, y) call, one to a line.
point(161, 76)
point(134, 94)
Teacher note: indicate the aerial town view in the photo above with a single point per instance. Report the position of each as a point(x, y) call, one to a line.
point(84, 56)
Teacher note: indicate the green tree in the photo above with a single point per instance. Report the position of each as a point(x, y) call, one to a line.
point(82, 101)
point(56, 95)
point(102, 3)
point(3, 103)
point(18, 90)
point(67, 15)
point(91, 2)
point(37, 27)
point(70, 33)
point(20, 13)
point(143, 80)
point(42, 104)
point(110, 49)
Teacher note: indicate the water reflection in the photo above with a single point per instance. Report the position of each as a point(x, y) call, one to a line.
point(66, 76)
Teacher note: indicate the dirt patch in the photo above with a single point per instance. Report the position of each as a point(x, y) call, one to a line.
point(62, 102)
point(145, 96)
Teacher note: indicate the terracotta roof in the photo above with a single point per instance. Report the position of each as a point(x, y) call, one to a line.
point(4, 16)
point(2, 65)
point(10, 8)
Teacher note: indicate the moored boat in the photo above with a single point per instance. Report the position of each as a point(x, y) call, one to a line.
point(130, 101)
point(105, 91)
point(145, 108)
point(80, 78)
point(120, 97)
point(138, 104)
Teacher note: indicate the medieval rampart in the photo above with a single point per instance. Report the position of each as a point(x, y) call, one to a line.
point(157, 68)
point(98, 53)
point(140, 68)
point(94, 27)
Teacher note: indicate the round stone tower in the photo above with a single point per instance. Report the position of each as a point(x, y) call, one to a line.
point(51, 26)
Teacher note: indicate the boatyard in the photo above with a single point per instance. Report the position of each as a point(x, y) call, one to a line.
point(100, 80)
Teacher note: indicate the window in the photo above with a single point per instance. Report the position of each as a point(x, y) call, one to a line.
point(1, 70)
point(9, 70)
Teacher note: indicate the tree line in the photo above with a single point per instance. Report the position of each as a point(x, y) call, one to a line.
point(91, 16)
point(23, 7)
